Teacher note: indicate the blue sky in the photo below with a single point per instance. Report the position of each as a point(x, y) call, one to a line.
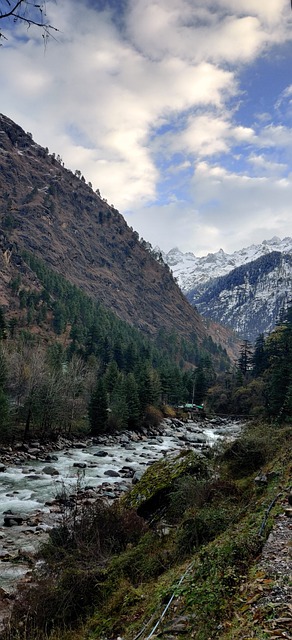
point(179, 111)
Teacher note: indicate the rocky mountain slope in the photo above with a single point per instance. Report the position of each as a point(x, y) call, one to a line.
point(245, 290)
point(53, 213)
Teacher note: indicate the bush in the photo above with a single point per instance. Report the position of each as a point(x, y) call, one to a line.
point(250, 451)
point(152, 416)
point(96, 532)
point(202, 527)
point(141, 563)
point(72, 582)
point(168, 412)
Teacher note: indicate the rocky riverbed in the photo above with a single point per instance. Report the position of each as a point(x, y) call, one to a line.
point(37, 484)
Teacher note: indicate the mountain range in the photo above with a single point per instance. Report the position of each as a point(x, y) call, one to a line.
point(245, 290)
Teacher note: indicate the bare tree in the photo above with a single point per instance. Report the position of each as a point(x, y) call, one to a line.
point(31, 13)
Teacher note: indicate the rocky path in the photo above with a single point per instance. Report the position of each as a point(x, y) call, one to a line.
point(274, 605)
point(266, 610)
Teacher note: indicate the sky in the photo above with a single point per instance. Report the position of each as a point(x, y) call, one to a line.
point(178, 111)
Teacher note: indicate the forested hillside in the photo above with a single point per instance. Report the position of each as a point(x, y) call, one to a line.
point(56, 215)
point(68, 363)
point(261, 384)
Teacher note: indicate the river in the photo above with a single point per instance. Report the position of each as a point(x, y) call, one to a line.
point(106, 468)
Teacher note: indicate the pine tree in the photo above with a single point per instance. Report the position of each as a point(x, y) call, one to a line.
point(132, 396)
point(244, 361)
point(259, 359)
point(98, 409)
point(200, 385)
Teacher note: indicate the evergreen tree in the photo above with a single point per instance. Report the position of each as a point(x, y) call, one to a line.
point(98, 409)
point(133, 402)
point(111, 376)
point(119, 407)
point(259, 359)
point(4, 412)
point(200, 385)
point(244, 361)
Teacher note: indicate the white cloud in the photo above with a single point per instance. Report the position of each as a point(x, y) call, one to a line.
point(116, 102)
point(261, 163)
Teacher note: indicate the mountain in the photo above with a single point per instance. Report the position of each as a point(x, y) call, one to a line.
point(52, 213)
point(245, 290)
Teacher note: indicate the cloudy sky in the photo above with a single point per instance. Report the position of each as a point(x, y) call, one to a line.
point(179, 111)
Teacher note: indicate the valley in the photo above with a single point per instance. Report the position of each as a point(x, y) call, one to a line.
point(102, 362)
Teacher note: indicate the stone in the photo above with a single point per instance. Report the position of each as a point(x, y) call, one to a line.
point(51, 471)
point(79, 465)
point(4, 555)
point(111, 473)
point(261, 479)
point(137, 476)
point(51, 458)
point(12, 519)
point(101, 454)
point(34, 476)
point(2, 468)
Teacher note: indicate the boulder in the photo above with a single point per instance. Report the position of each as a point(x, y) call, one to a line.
point(101, 454)
point(153, 489)
point(79, 465)
point(12, 519)
point(51, 458)
point(51, 471)
point(111, 473)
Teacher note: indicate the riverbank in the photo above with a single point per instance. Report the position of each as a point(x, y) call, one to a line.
point(39, 482)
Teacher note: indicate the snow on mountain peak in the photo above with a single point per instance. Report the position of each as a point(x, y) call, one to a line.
point(194, 272)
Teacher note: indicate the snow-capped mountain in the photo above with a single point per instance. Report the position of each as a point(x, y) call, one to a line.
point(244, 290)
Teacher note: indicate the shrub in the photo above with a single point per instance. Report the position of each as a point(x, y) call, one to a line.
point(201, 527)
point(250, 451)
point(152, 416)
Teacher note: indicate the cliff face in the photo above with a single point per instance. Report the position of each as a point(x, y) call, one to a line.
point(244, 290)
point(250, 298)
point(54, 214)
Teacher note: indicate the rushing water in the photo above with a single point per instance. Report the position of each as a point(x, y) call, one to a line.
point(27, 488)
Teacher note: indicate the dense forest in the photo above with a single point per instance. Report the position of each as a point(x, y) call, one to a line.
point(86, 369)
point(261, 384)
point(67, 363)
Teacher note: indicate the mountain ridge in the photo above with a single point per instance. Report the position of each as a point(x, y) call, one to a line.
point(54, 214)
point(245, 290)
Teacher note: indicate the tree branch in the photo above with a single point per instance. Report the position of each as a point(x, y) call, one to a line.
point(11, 12)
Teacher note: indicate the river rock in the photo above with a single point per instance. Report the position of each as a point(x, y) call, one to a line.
point(4, 555)
point(12, 519)
point(79, 465)
point(51, 458)
point(2, 468)
point(111, 473)
point(137, 476)
point(127, 472)
point(101, 454)
point(50, 471)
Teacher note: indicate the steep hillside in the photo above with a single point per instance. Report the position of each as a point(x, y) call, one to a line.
point(249, 299)
point(54, 214)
